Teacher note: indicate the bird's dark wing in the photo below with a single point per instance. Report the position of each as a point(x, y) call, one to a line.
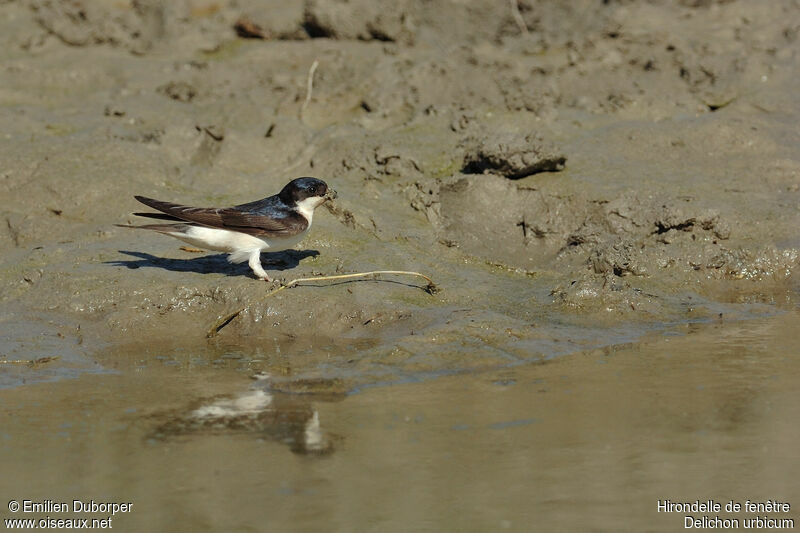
point(159, 216)
point(263, 223)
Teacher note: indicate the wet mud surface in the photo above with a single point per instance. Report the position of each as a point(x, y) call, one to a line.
point(557, 169)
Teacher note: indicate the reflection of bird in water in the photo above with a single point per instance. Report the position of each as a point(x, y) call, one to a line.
point(281, 417)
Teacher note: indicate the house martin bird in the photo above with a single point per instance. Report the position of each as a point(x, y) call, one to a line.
point(273, 224)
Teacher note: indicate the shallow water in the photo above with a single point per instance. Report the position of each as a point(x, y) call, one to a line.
point(588, 441)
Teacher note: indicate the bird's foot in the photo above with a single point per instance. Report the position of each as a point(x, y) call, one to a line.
point(255, 266)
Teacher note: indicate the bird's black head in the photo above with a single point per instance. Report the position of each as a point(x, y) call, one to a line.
point(301, 189)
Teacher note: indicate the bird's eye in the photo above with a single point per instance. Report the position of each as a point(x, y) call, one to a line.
point(312, 190)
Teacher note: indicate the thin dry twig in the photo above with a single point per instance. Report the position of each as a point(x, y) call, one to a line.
point(430, 288)
point(523, 28)
point(309, 84)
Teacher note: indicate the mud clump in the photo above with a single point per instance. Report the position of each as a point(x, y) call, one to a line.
point(90, 23)
point(178, 90)
point(512, 156)
point(363, 20)
point(533, 227)
point(492, 217)
point(355, 20)
point(270, 20)
point(660, 219)
point(620, 259)
point(592, 240)
point(588, 292)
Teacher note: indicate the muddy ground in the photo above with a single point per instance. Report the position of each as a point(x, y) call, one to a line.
point(571, 175)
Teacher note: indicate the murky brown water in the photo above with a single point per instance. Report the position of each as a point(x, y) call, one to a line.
point(588, 441)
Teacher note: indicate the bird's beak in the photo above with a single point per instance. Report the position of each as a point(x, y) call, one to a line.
point(331, 194)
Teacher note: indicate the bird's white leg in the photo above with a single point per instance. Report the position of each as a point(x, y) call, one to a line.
point(255, 264)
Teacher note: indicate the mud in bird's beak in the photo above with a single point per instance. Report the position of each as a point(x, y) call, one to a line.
point(331, 195)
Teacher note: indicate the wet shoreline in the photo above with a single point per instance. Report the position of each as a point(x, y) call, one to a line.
point(707, 406)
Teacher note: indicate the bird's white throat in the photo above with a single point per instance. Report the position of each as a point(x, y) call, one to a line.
point(306, 207)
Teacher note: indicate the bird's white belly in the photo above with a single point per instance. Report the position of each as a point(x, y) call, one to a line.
point(234, 242)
